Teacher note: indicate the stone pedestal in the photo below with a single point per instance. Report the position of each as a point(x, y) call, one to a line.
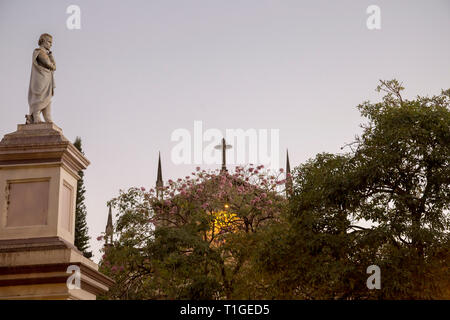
point(39, 268)
point(38, 185)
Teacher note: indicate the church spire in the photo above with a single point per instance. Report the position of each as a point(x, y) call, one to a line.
point(288, 183)
point(109, 230)
point(288, 165)
point(224, 157)
point(159, 180)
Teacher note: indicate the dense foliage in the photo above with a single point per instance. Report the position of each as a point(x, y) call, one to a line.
point(197, 239)
point(384, 202)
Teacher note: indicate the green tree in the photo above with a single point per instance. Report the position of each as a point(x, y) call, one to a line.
point(203, 242)
point(81, 229)
point(385, 202)
point(402, 181)
point(314, 252)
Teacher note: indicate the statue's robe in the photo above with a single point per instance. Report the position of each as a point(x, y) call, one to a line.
point(42, 84)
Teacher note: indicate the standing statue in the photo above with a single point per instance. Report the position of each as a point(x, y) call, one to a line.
point(42, 84)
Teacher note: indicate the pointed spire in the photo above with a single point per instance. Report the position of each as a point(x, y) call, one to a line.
point(288, 165)
point(109, 230)
point(224, 157)
point(159, 180)
point(288, 184)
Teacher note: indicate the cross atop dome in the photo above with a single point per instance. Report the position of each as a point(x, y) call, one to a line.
point(223, 146)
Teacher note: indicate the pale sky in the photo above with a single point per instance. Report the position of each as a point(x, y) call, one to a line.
point(138, 70)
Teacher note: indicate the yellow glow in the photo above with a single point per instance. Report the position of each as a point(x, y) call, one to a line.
point(223, 222)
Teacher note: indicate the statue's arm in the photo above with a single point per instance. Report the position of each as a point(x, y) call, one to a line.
point(50, 56)
point(46, 61)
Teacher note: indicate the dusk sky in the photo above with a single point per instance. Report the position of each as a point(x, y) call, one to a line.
point(138, 70)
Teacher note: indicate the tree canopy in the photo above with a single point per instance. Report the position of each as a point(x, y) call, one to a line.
point(384, 201)
point(196, 241)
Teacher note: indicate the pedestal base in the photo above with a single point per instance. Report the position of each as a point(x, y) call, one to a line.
point(38, 269)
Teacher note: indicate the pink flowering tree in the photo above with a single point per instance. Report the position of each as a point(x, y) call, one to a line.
point(195, 237)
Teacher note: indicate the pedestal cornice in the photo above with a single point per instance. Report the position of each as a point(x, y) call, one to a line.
point(41, 143)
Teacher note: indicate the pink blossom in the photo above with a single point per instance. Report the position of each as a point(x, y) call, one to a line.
point(142, 189)
point(99, 238)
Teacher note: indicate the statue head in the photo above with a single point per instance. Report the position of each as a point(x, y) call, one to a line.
point(45, 40)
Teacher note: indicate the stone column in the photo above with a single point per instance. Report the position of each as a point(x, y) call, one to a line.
point(38, 185)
